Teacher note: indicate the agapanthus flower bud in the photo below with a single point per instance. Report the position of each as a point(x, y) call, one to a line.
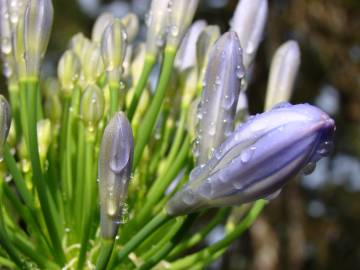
point(156, 22)
point(92, 106)
point(115, 162)
point(186, 54)
point(131, 23)
point(258, 158)
point(38, 20)
point(103, 21)
point(5, 122)
point(206, 40)
point(93, 65)
point(249, 22)
point(113, 47)
point(218, 102)
point(181, 14)
point(79, 44)
point(16, 9)
point(284, 67)
point(68, 71)
point(6, 40)
point(19, 49)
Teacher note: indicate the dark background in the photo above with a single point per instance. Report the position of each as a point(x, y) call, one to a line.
point(315, 222)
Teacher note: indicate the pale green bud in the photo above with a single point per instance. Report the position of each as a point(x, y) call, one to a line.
point(206, 40)
point(103, 21)
point(181, 14)
point(44, 138)
point(79, 44)
point(156, 22)
point(249, 22)
point(113, 48)
point(93, 65)
point(131, 23)
point(284, 67)
point(19, 49)
point(53, 108)
point(38, 20)
point(92, 106)
point(68, 71)
point(5, 122)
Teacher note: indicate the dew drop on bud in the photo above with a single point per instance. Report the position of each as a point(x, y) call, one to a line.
point(189, 197)
point(309, 168)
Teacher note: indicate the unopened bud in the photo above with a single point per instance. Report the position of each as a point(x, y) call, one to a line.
point(93, 65)
point(181, 14)
point(92, 106)
point(284, 67)
point(103, 21)
point(156, 22)
point(38, 21)
point(217, 107)
point(68, 71)
point(113, 48)
point(249, 22)
point(258, 159)
point(115, 162)
point(131, 23)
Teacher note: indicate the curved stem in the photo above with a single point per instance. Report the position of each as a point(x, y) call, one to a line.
point(139, 88)
point(159, 186)
point(190, 260)
point(165, 250)
point(145, 232)
point(105, 253)
point(200, 235)
point(114, 98)
point(147, 125)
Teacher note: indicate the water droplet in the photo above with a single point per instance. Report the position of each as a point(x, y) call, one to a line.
point(196, 147)
point(247, 154)
point(189, 197)
point(111, 207)
point(124, 213)
point(174, 30)
point(281, 105)
point(67, 230)
point(240, 73)
point(212, 129)
point(273, 195)
point(196, 172)
point(238, 185)
point(6, 46)
point(228, 101)
point(309, 168)
point(206, 188)
point(325, 148)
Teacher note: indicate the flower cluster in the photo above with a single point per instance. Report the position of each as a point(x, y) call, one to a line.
point(103, 170)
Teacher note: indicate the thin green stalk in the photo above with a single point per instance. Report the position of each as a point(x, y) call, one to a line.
point(149, 63)
point(178, 138)
point(200, 235)
point(205, 253)
point(80, 180)
point(7, 263)
point(51, 220)
point(166, 249)
point(66, 185)
point(106, 248)
point(14, 101)
point(88, 197)
point(17, 176)
point(145, 232)
point(114, 98)
point(159, 186)
point(152, 113)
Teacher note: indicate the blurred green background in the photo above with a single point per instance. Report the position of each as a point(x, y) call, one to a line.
point(315, 223)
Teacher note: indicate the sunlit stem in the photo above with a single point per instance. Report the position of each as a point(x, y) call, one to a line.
point(88, 191)
point(29, 90)
point(149, 63)
point(162, 182)
point(205, 253)
point(148, 123)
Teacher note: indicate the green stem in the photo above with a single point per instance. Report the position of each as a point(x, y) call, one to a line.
point(18, 179)
point(152, 113)
point(145, 232)
point(190, 260)
point(165, 250)
point(52, 223)
point(159, 186)
point(139, 88)
point(7, 263)
point(105, 253)
point(88, 190)
point(14, 101)
point(199, 236)
point(114, 98)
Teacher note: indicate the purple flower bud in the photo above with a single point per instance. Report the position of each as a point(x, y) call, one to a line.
point(258, 158)
point(115, 162)
point(5, 122)
point(218, 102)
